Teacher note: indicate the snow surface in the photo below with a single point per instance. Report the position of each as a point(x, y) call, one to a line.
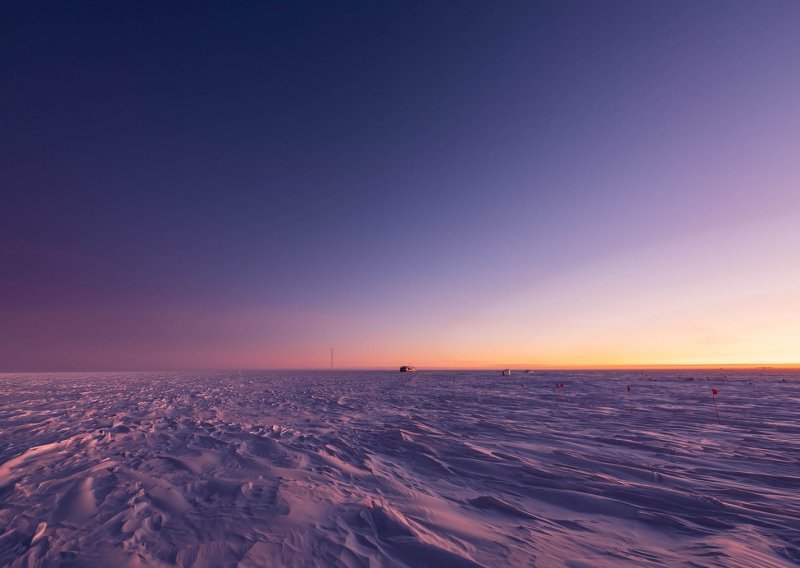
point(381, 469)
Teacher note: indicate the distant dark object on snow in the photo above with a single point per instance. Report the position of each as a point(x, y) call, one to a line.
point(506, 372)
point(408, 369)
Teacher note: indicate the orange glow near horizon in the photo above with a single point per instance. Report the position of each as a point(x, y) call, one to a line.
point(727, 297)
point(721, 298)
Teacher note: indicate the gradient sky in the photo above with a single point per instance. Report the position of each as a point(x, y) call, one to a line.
point(431, 183)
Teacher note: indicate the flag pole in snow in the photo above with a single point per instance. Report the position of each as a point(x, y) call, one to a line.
point(630, 402)
point(716, 408)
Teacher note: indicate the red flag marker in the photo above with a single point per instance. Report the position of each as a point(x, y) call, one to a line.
point(716, 409)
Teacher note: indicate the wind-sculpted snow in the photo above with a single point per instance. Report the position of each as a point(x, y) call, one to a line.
point(380, 469)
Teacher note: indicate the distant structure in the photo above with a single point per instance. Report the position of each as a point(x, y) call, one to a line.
point(506, 372)
point(408, 369)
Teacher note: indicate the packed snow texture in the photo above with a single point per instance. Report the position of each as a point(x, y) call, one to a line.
point(383, 469)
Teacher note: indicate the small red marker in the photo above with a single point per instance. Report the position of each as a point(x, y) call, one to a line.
point(716, 409)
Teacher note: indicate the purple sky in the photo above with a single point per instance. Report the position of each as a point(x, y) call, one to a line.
point(445, 184)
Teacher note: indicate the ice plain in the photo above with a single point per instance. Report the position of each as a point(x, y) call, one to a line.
point(381, 469)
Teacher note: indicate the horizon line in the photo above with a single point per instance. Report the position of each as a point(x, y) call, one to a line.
point(516, 367)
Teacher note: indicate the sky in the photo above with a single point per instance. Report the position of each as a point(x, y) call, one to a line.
point(443, 184)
